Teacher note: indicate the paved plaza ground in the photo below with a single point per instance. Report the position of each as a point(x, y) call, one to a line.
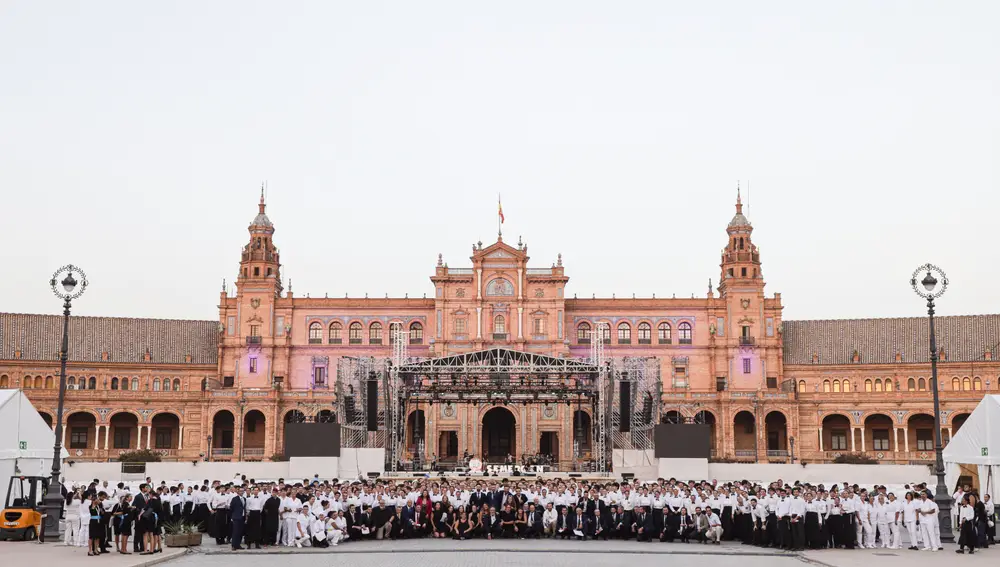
point(500, 553)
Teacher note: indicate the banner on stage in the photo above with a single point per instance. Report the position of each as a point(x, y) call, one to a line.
point(510, 469)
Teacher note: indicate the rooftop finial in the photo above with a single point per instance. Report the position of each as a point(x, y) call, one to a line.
point(440, 260)
point(223, 285)
point(559, 260)
point(739, 201)
point(261, 198)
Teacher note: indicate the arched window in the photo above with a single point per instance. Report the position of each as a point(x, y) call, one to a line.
point(966, 383)
point(416, 333)
point(836, 385)
point(124, 383)
point(663, 333)
point(92, 385)
point(583, 333)
point(335, 333)
point(135, 383)
point(375, 333)
point(70, 383)
point(802, 385)
point(922, 385)
point(624, 334)
point(604, 330)
point(826, 385)
point(889, 385)
point(315, 333)
point(868, 385)
point(26, 383)
point(156, 384)
point(38, 382)
point(82, 384)
point(354, 333)
point(177, 384)
point(394, 330)
point(499, 327)
point(956, 384)
point(847, 385)
point(645, 333)
point(977, 383)
point(911, 385)
point(4, 381)
point(684, 333)
point(48, 382)
point(114, 383)
point(878, 384)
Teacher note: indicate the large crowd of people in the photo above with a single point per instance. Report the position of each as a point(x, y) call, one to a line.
point(244, 513)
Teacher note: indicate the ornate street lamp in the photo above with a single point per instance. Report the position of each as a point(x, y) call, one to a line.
point(67, 288)
point(931, 287)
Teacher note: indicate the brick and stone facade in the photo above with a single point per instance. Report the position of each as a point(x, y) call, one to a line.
point(771, 388)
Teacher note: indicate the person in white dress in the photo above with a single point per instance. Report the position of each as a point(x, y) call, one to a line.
point(928, 512)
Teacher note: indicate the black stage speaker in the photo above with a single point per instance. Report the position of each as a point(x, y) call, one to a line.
point(319, 439)
point(682, 441)
point(371, 410)
point(625, 406)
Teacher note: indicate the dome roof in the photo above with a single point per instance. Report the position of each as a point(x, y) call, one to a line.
point(739, 220)
point(262, 220)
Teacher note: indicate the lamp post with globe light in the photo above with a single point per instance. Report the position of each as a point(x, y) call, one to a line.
point(67, 288)
point(931, 288)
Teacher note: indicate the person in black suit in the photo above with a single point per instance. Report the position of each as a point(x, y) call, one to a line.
point(616, 526)
point(491, 524)
point(581, 523)
point(564, 525)
point(138, 505)
point(642, 525)
point(535, 528)
point(496, 498)
point(238, 516)
point(598, 528)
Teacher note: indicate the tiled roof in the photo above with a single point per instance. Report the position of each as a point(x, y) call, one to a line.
point(39, 337)
point(963, 338)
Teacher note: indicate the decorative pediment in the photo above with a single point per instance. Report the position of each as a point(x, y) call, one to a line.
point(255, 319)
point(499, 287)
point(500, 254)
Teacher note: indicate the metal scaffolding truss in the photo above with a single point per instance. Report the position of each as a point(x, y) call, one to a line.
point(602, 409)
point(353, 376)
point(642, 374)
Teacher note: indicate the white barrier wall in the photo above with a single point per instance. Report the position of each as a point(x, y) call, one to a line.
point(865, 475)
point(356, 463)
point(688, 469)
point(302, 468)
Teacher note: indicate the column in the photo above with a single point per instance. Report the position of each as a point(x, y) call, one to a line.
point(906, 440)
point(821, 438)
point(949, 437)
point(107, 434)
point(520, 280)
point(895, 439)
point(180, 438)
point(852, 439)
point(479, 283)
point(64, 436)
point(149, 436)
point(862, 439)
point(479, 322)
point(520, 323)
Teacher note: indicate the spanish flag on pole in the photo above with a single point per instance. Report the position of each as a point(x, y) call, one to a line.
point(499, 209)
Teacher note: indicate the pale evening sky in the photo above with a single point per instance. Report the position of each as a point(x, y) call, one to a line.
point(134, 137)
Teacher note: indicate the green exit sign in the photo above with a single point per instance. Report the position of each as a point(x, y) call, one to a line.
point(985, 451)
point(23, 445)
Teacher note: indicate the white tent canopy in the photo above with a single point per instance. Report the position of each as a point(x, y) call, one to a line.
point(26, 441)
point(977, 443)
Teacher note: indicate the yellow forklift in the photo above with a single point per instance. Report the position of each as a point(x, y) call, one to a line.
point(22, 513)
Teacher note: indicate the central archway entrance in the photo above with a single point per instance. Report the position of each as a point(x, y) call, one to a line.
point(498, 434)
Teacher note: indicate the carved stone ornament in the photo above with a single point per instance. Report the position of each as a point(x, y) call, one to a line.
point(255, 302)
point(539, 292)
point(448, 411)
point(711, 328)
point(103, 412)
point(549, 412)
point(460, 292)
point(745, 303)
point(145, 413)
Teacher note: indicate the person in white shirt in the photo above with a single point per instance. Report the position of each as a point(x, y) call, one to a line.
point(72, 529)
point(714, 533)
point(895, 521)
point(882, 513)
point(966, 525)
point(303, 523)
point(910, 510)
point(549, 518)
point(927, 512)
point(290, 507)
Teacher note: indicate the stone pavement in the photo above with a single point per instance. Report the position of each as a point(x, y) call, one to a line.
point(34, 554)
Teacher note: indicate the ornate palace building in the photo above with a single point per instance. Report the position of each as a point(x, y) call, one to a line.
point(771, 389)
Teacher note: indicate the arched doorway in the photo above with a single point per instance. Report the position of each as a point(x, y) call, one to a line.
point(46, 418)
point(920, 433)
point(166, 429)
point(745, 435)
point(326, 416)
point(879, 433)
point(223, 425)
point(253, 434)
point(707, 418)
point(836, 430)
point(957, 422)
point(124, 431)
point(415, 430)
point(295, 416)
point(498, 434)
point(777, 434)
point(82, 430)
